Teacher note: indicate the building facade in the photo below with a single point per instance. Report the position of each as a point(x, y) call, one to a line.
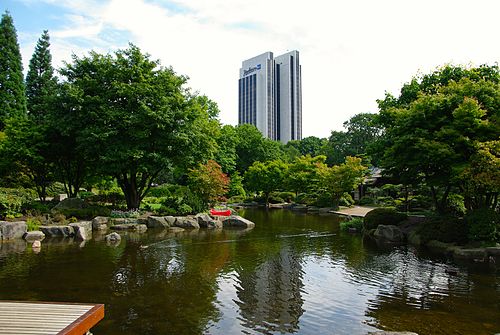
point(270, 95)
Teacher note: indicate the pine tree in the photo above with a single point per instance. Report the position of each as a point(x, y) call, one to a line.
point(40, 80)
point(12, 91)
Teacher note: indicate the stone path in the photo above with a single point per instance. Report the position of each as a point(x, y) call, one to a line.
point(356, 211)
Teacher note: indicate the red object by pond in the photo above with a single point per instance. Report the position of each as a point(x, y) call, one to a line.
point(225, 212)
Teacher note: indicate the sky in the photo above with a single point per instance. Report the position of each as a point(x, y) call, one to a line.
point(351, 52)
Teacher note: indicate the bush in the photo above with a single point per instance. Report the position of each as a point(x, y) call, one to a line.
point(236, 199)
point(160, 191)
point(447, 229)
point(37, 208)
point(84, 195)
point(356, 223)
point(13, 200)
point(33, 223)
point(85, 213)
point(484, 225)
point(386, 201)
point(274, 199)
point(366, 201)
point(181, 200)
point(455, 204)
point(386, 216)
point(346, 200)
point(287, 196)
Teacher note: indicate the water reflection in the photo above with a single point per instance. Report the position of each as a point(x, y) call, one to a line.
point(291, 274)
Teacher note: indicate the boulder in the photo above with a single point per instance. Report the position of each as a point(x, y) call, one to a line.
point(113, 237)
point(33, 236)
point(99, 221)
point(58, 231)
point(83, 230)
point(186, 222)
point(130, 226)
point(237, 221)
point(117, 221)
point(298, 207)
point(470, 254)
point(175, 229)
point(13, 230)
point(157, 222)
point(493, 251)
point(389, 233)
point(70, 203)
point(170, 219)
point(206, 221)
point(414, 238)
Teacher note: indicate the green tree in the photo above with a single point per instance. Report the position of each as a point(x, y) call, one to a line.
point(208, 181)
point(304, 173)
point(41, 85)
point(266, 177)
point(139, 119)
point(226, 152)
point(361, 132)
point(431, 137)
point(12, 90)
point(342, 178)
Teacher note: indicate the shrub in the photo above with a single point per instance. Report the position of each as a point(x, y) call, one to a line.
point(385, 201)
point(37, 208)
point(346, 200)
point(13, 200)
point(274, 199)
point(455, 204)
point(33, 223)
point(366, 201)
point(386, 216)
point(354, 223)
point(287, 196)
point(484, 225)
point(182, 195)
point(447, 229)
point(236, 199)
point(85, 213)
point(84, 195)
point(160, 191)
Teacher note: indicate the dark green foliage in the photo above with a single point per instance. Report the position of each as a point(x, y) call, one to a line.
point(346, 200)
point(41, 85)
point(456, 204)
point(14, 200)
point(446, 229)
point(86, 213)
point(356, 223)
point(385, 216)
point(12, 90)
point(182, 201)
point(484, 225)
point(286, 196)
point(160, 191)
point(364, 201)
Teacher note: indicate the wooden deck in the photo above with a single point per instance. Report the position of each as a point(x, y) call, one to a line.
point(46, 318)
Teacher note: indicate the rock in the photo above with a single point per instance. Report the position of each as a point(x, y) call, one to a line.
point(313, 209)
point(83, 230)
point(32, 236)
point(72, 203)
point(98, 222)
point(186, 222)
point(414, 238)
point(130, 226)
point(113, 237)
point(54, 231)
point(298, 207)
point(36, 244)
point(470, 254)
point(206, 221)
point(441, 247)
point(493, 251)
point(117, 221)
point(13, 230)
point(237, 221)
point(170, 219)
point(175, 229)
point(326, 210)
point(389, 233)
point(157, 222)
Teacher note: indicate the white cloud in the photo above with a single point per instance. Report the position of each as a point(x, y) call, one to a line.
point(351, 51)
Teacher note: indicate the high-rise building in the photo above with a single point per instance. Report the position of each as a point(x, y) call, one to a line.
point(270, 95)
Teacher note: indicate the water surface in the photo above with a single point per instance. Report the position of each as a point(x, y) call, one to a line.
point(293, 273)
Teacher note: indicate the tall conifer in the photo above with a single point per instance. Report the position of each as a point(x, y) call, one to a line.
point(12, 91)
point(40, 80)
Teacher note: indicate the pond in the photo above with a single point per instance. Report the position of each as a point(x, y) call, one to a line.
point(292, 273)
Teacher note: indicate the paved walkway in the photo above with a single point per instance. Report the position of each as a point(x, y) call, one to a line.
point(356, 211)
